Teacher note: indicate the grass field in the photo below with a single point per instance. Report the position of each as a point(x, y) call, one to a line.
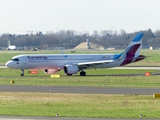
point(80, 105)
point(100, 77)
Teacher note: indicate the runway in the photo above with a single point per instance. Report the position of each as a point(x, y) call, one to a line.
point(66, 118)
point(79, 89)
point(139, 67)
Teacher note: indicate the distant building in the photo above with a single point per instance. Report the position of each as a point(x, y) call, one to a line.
point(11, 47)
point(111, 48)
point(88, 45)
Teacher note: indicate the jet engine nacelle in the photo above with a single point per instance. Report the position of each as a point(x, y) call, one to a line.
point(71, 69)
point(50, 71)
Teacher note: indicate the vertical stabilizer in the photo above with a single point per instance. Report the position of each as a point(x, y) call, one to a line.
point(133, 49)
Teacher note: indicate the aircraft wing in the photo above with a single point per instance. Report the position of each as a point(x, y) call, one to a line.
point(96, 64)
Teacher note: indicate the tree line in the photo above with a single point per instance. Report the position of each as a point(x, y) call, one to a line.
point(69, 39)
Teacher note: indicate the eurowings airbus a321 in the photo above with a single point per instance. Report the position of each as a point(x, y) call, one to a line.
point(73, 63)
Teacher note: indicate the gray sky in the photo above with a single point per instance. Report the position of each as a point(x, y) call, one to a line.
point(20, 16)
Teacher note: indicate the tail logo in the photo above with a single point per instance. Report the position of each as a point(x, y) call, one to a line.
point(130, 54)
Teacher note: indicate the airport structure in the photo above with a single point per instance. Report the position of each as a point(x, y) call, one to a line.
point(88, 45)
point(11, 47)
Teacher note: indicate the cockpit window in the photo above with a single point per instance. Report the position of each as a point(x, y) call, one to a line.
point(15, 59)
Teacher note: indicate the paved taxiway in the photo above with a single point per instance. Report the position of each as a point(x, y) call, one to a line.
point(79, 89)
point(64, 118)
point(138, 67)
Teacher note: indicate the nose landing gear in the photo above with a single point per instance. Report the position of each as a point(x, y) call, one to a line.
point(22, 72)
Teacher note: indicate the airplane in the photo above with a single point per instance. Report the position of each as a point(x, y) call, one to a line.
point(73, 63)
point(11, 47)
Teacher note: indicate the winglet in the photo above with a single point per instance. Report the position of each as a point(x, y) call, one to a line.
point(137, 37)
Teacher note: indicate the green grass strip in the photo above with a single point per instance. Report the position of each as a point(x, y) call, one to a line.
point(79, 105)
point(99, 77)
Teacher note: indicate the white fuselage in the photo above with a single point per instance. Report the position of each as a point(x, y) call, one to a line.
point(73, 63)
point(53, 61)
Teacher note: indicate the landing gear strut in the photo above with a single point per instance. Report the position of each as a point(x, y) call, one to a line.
point(22, 72)
point(82, 73)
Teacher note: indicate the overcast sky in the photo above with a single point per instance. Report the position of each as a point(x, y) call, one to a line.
point(20, 16)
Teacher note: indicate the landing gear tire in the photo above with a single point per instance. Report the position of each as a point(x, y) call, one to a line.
point(69, 74)
point(82, 73)
point(22, 72)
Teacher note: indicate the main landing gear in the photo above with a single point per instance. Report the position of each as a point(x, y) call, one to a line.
point(82, 73)
point(22, 72)
point(69, 74)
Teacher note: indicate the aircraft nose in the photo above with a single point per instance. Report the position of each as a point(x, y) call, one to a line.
point(9, 64)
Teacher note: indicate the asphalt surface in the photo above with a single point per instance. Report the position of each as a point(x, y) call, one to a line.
point(64, 118)
point(79, 89)
point(138, 67)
